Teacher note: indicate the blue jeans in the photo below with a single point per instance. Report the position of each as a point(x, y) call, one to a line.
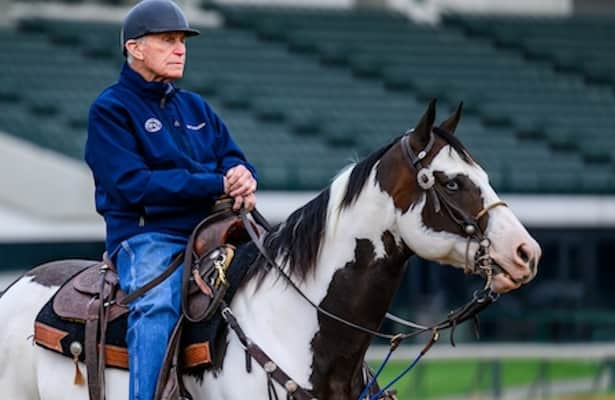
point(152, 316)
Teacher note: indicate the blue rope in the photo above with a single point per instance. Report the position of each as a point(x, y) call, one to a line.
point(434, 338)
point(398, 377)
point(365, 391)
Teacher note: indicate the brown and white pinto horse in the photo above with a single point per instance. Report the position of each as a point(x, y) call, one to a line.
point(346, 250)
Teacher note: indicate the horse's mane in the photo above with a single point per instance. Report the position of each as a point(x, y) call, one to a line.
point(360, 173)
point(296, 242)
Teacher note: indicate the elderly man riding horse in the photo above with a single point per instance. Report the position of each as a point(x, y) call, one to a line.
point(306, 308)
point(159, 156)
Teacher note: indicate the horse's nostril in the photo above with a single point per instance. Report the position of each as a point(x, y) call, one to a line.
point(533, 266)
point(523, 255)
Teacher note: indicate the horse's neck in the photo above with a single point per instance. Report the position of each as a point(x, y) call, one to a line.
point(361, 292)
point(369, 271)
point(358, 270)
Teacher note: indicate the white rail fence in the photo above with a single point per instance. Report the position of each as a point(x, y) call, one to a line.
point(491, 356)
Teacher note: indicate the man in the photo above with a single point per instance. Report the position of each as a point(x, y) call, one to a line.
point(159, 156)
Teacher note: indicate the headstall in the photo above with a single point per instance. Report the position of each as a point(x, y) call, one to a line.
point(483, 264)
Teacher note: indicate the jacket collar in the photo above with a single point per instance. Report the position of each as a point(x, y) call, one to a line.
point(136, 83)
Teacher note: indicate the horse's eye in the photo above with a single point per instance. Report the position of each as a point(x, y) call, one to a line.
point(452, 185)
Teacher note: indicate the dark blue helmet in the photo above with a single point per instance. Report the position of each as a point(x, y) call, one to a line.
point(154, 16)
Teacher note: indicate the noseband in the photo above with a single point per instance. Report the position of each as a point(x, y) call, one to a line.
point(483, 263)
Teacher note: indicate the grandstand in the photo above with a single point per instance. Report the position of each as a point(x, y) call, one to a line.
point(318, 86)
point(305, 90)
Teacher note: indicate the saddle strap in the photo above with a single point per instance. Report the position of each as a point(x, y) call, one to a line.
point(173, 266)
point(188, 256)
point(98, 313)
point(293, 390)
point(91, 358)
point(103, 318)
point(154, 282)
point(261, 220)
point(170, 385)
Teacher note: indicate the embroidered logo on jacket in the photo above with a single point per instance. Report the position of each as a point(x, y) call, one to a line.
point(153, 125)
point(196, 127)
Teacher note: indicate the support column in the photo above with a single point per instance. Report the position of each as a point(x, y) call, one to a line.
point(595, 7)
point(371, 3)
point(4, 15)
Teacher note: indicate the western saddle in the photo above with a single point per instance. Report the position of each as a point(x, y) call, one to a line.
point(93, 296)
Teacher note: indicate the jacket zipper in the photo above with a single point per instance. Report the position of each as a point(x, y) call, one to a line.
point(178, 137)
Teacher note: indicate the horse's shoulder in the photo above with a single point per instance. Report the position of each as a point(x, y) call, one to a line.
point(56, 273)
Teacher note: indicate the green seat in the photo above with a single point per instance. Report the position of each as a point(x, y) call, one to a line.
point(304, 122)
point(235, 97)
point(342, 136)
point(334, 54)
point(269, 111)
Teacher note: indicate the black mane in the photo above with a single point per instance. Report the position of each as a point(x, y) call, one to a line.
point(361, 172)
point(296, 242)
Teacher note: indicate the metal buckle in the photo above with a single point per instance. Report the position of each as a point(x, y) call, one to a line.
point(220, 267)
point(109, 303)
point(481, 295)
point(226, 313)
point(425, 179)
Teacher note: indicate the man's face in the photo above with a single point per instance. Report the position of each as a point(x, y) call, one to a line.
point(164, 56)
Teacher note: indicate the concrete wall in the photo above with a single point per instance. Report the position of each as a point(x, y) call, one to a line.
point(44, 195)
point(4, 16)
point(92, 11)
point(594, 7)
point(371, 3)
point(431, 10)
point(43, 183)
point(295, 3)
point(533, 7)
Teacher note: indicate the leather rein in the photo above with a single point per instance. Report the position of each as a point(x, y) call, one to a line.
point(482, 264)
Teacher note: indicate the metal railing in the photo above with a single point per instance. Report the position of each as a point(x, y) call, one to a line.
point(487, 380)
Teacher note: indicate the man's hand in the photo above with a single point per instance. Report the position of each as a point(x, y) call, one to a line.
point(248, 202)
point(239, 181)
point(241, 185)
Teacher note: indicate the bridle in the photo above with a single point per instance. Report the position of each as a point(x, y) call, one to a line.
point(482, 264)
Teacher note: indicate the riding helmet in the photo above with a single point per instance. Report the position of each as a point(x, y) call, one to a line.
point(154, 16)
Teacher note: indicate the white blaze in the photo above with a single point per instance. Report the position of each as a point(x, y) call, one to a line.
point(444, 247)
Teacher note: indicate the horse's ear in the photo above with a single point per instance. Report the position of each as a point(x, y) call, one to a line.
point(451, 122)
point(423, 128)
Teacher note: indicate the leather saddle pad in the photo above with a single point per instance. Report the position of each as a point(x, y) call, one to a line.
point(79, 298)
point(62, 320)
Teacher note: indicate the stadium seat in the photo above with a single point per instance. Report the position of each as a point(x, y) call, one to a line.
point(342, 82)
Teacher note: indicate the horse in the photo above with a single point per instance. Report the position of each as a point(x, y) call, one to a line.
point(345, 251)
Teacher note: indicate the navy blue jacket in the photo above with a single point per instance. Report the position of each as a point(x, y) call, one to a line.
point(158, 155)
